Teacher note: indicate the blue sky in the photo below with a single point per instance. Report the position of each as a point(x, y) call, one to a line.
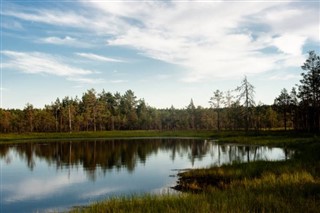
point(167, 52)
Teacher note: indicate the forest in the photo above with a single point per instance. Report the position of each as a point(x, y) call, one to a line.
point(296, 109)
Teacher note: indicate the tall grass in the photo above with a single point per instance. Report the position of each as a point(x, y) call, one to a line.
point(297, 192)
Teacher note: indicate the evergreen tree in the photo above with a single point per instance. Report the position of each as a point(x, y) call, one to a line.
point(309, 92)
point(282, 103)
point(89, 104)
point(191, 114)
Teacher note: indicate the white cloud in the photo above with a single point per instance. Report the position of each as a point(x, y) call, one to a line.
point(90, 20)
point(86, 80)
point(12, 25)
point(57, 40)
point(284, 77)
point(98, 57)
point(57, 17)
point(300, 19)
point(208, 39)
point(41, 63)
point(290, 44)
point(67, 40)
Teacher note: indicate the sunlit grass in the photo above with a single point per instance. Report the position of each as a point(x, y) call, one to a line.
point(296, 192)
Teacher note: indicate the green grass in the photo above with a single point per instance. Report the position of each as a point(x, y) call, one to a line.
point(103, 134)
point(284, 186)
point(286, 193)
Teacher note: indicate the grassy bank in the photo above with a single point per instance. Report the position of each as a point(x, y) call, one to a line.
point(272, 138)
point(103, 134)
point(289, 193)
point(286, 186)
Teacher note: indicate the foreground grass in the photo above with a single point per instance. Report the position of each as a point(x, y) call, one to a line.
point(286, 186)
point(298, 192)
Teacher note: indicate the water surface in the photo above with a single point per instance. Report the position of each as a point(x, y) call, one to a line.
point(53, 176)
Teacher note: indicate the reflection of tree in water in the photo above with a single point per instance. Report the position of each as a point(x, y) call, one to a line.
point(104, 154)
point(243, 153)
point(198, 150)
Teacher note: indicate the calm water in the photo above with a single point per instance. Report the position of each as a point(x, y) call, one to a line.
point(52, 176)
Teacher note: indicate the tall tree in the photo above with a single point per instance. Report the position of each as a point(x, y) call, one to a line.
point(56, 110)
point(89, 101)
point(128, 109)
point(143, 115)
point(246, 96)
point(216, 101)
point(270, 118)
point(68, 112)
point(283, 103)
point(117, 111)
point(103, 110)
point(294, 108)
point(5, 118)
point(29, 113)
point(191, 109)
point(309, 91)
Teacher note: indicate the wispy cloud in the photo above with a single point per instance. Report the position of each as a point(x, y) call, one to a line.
point(12, 25)
point(94, 21)
point(67, 40)
point(57, 17)
point(41, 63)
point(87, 80)
point(96, 57)
point(208, 39)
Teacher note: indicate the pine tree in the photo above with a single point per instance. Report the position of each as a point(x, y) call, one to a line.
point(309, 91)
point(282, 103)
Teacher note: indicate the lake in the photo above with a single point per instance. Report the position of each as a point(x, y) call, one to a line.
point(56, 175)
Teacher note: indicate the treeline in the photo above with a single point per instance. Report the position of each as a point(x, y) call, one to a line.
point(231, 110)
point(107, 111)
